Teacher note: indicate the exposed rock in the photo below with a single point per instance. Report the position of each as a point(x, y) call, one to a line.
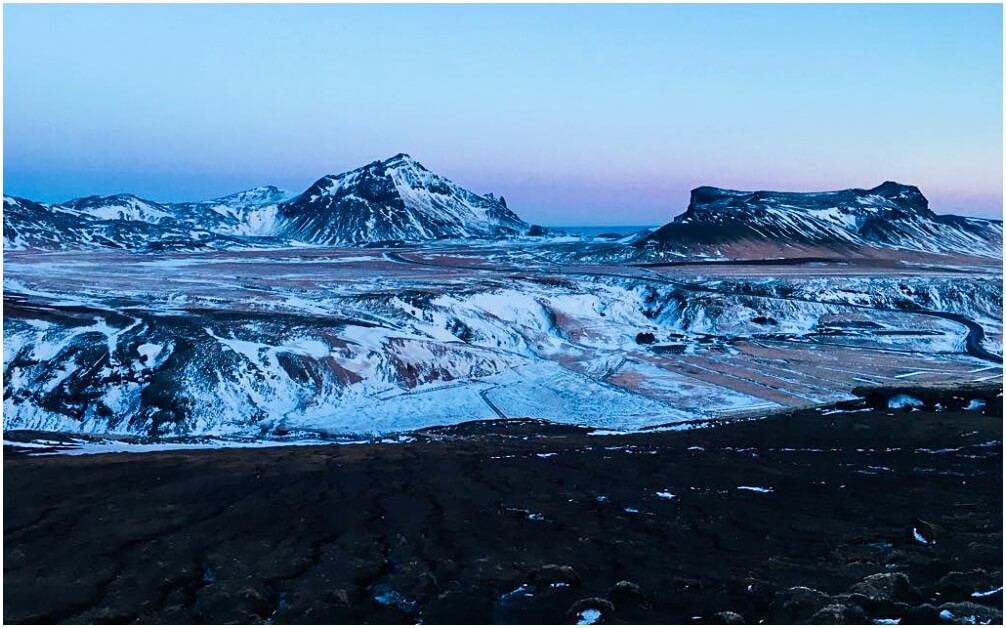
point(958, 586)
point(553, 576)
point(874, 606)
point(923, 614)
point(970, 613)
point(839, 614)
point(921, 532)
point(727, 617)
point(342, 597)
point(645, 338)
point(886, 587)
point(796, 605)
point(626, 594)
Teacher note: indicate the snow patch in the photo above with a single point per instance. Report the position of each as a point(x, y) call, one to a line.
point(900, 401)
point(588, 617)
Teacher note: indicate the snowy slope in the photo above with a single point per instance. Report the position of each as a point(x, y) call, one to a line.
point(120, 207)
point(890, 216)
point(248, 213)
point(394, 199)
point(35, 226)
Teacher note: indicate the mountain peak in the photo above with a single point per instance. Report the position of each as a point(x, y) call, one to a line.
point(94, 199)
point(262, 195)
point(399, 161)
point(907, 194)
point(394, 199)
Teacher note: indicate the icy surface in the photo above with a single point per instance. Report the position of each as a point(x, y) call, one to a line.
point(919, 537)
point(988, 593)
point(904, 401)
point(588, 617)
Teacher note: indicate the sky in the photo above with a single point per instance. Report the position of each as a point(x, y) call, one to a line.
point(577, 114)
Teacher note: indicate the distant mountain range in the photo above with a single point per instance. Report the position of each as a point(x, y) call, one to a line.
point(395, 200)
point(891, 216)
point(398, 200)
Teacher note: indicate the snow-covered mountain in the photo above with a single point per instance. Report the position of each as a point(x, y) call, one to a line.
point(121, 207)
point(394, 199)
point(248, 213)
point(730, 223)
point(79, 224)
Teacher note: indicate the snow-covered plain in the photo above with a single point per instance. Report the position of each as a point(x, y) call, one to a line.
point(353, 343)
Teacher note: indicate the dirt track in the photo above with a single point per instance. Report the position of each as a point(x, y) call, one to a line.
point(443, 529)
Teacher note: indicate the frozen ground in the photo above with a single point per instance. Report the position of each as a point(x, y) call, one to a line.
point(352, 343)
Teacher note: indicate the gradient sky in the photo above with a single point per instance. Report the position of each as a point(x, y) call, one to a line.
point(590, 114)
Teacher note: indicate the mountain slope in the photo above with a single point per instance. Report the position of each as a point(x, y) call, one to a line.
point(121, 207)
point(77, 226)
point(247, 213)
point(732, 223)
point(395, 199)
point(35, 226)
point(392, 200)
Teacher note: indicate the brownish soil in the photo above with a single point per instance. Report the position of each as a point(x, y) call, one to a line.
point(445, 529)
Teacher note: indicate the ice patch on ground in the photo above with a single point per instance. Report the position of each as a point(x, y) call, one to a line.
point(975, 404)
point(900, 401)
point(588, 617)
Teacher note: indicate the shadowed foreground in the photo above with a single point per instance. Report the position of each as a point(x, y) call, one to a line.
point(457, 526)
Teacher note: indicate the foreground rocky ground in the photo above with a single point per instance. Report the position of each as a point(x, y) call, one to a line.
point(807, 517)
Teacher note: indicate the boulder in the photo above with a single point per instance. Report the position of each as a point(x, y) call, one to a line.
point(970, 613)
point(795, 605)
point(886, 587)
point(958, 586)
point(625, 594)
point(839, 613)
point(552, 576)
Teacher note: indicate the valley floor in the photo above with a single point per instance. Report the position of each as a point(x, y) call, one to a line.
point(355, 343)
point(462, 524)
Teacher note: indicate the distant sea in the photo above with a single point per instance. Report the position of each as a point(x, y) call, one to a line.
point(594, 231)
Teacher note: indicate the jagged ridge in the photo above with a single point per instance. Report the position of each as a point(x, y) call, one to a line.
point(392, 200)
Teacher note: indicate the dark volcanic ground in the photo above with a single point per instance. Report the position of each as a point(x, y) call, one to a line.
point(459, 526)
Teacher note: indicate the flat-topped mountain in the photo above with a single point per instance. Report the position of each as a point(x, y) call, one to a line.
point(731, 223)
point(397, 199)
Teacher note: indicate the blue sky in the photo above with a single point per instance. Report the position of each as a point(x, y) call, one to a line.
point(590, 114)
